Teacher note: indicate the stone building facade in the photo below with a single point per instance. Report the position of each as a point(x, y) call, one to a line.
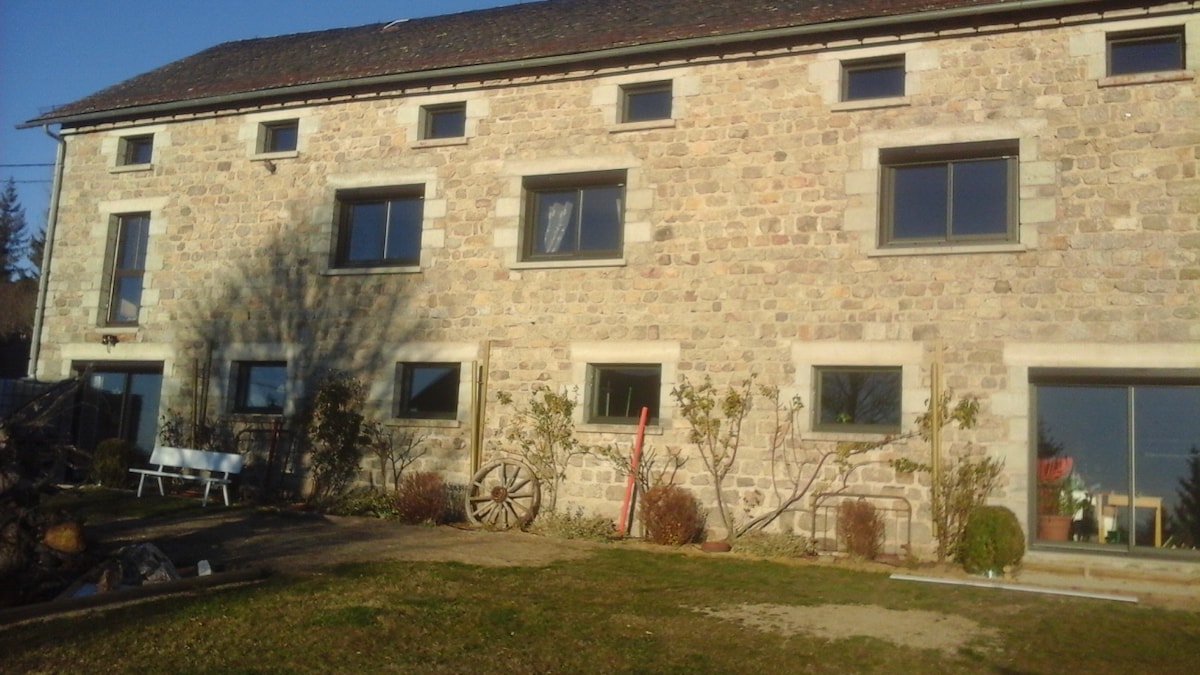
point(832, 207)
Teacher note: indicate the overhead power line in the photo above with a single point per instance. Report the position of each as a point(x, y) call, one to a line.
point(16, 166)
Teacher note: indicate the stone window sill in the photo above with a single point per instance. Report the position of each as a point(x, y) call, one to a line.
point(1146, 78)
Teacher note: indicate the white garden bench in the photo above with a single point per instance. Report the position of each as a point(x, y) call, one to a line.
point(217, 468)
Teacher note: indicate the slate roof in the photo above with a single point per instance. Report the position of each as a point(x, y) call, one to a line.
point(510, 36)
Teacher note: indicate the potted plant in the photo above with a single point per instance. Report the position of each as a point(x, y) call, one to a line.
point(1056, 498)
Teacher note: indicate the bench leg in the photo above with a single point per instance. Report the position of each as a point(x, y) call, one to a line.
point(207, 487)
point(141, 482)
point(225, 491)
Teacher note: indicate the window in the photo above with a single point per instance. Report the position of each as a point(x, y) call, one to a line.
point(136, 150)
point(617, 393)
point(643, 102)
point(873, 78)
point(857, 399)
point(380, 227)
point(132, 233)
point(577, 216)
point(1145, 51)
point(120, 400)
point(444, 121)
point(280, 136)
point(964, 193)
point(1103, 436)
point(427, 390)
point(261, 387)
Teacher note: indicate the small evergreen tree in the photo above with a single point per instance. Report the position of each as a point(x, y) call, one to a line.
point(1187, 511)
point(14, 240)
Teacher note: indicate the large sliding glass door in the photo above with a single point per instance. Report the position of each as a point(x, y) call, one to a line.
point(1119, 459)
point(120, 401)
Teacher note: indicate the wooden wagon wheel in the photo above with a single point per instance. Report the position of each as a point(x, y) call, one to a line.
point(504, 494)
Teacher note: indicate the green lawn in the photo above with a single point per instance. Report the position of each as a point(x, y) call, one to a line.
point(619, 611)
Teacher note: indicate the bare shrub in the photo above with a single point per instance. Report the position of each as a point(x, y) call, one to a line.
point(421, 498)
point(861, 528)
point(671, 515)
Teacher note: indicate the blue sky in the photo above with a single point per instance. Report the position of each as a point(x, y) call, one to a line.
point(56, 51)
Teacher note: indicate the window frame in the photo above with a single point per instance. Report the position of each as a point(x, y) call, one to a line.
point(269, 134)
point(596, 378)
point(128, 151)
point(430, 115)
point(1142, 37)
point(1135, 466)
point(894, 160)
point(405, 371)
point(819, 396)
point(242, 372)
point(536, 186)
point(346, 200)
point(631, 92)
point(120, 272)
point(879, 63)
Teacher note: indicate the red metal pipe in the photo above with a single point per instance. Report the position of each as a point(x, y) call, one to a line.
point(631, 479)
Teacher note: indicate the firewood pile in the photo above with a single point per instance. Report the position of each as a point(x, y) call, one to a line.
point(41, 551)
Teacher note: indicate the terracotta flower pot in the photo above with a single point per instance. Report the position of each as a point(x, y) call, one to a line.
point(1054, 528)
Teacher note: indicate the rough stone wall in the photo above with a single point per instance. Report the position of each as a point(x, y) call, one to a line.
point(750, 243)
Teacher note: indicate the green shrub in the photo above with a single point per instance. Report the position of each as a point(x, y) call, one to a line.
point(336, 428)
point(421, 498)
point(861, 528)
point(367, 501)
point(574, 525)
point(773, 545)
point(671, 515)
point(111, 462)
point(991, 540)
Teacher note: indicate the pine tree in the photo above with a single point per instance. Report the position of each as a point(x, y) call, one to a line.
point(1187, 511)
point(14, 240)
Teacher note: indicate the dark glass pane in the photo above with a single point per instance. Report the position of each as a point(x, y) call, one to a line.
point(447, 123)
point(1083, 450)
point(600, 229)
point(919, 202)
point(127, 299)
point(557, 215)
point(430, 390)
point(139, 150)
point(621, 392)
point(864, 82)
point(282, 137)
point(647, 104)
point(141, 410)
point(367, 232)
point(1167, 466)
point(1145, 55)
point(131, 252)
point(264, 387)
point(860, 397)
point(980, 205)
point(404, 231)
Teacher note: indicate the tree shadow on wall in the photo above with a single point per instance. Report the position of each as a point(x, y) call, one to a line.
point(275, 304)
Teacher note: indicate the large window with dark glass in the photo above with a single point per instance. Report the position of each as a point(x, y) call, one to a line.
point(131, 237)
point(949, 194)
point(380, 227)
point(260, 387)
point(618, 392)
point(873, 78)
point(118, 400)
point(857, 399)
point(577, 216)
point(1117, 460)
point(1146, 51)
point(427, 390)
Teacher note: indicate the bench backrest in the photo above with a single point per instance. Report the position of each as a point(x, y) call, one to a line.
point(204, 460)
